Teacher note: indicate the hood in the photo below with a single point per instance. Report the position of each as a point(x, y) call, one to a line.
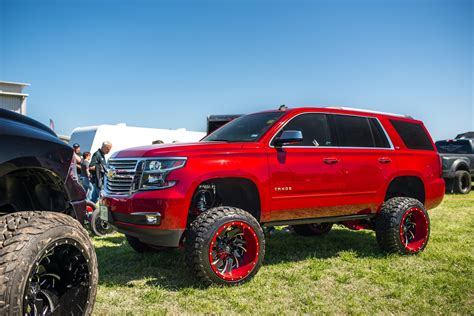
point(180, 149)
point(25, 120)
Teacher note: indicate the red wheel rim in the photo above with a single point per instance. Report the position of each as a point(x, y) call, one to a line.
point(234, 251)
point(414, 229)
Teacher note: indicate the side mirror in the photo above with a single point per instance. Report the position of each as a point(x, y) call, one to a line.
point(289, 137)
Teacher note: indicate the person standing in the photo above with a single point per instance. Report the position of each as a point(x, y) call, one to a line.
point(97, 168)
point(77, 156)
point(86, 175)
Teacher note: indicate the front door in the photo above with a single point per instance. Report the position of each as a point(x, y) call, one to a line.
point(306, 178)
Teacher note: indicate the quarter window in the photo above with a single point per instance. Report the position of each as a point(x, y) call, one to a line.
point(315, 129)
point(413, 135)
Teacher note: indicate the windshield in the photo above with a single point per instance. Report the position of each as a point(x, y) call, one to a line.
point(454, 147)
point(246, 128)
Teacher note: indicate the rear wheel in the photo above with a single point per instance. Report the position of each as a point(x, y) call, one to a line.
point(403, 226)
point(313, 229)
point(47, 265)
point(225, 245)
point(462, 182)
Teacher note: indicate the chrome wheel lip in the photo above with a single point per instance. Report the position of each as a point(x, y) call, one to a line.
point(34, 289)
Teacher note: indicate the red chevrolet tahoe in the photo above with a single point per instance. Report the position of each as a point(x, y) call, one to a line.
point(307, 167)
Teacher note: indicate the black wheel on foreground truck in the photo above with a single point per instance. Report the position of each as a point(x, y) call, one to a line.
point(47, 265)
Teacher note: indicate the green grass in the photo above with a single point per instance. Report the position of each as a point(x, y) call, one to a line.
point(343, 272)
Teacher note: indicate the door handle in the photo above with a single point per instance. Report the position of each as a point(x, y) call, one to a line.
point(385, 160)
point(330, 161)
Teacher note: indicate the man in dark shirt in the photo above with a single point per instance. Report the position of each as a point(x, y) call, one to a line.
point(97, 169)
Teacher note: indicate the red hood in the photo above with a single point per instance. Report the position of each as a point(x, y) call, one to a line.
point(182, 149)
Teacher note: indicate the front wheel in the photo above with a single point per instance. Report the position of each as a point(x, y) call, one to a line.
point(98, 226)
point(225, 246)
point(47, 265)
point(402, 226)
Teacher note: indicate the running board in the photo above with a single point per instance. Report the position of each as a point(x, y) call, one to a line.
point(330, 219)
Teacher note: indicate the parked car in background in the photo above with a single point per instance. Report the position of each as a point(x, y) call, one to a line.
point(307, 167)
point(47, 261)
point(458, 163)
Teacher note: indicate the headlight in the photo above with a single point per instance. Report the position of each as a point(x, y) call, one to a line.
point(155, 172)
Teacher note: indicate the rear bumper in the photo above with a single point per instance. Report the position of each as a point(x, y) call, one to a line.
point(434, 193)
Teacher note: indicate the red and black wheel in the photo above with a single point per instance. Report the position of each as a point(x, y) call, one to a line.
point(403, 226)
point(225, 245)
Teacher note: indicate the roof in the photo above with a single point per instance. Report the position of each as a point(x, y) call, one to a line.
point(469, 135)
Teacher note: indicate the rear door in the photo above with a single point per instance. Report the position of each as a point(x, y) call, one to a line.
point(367, 161)
point(306, 178)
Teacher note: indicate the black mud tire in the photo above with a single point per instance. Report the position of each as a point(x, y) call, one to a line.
point(200, 235)
point(26, 238)
point(309, 230)
point(388, 223)
point(462, 182)
point(98, 226)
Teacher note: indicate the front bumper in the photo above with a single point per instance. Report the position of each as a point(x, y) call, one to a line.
point(128, 215)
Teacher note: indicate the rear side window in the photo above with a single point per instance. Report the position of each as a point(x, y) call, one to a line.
point(413, 135)
point(356, 131)
point(314, 127)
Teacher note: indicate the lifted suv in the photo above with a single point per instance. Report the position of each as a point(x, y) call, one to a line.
point(306, 167)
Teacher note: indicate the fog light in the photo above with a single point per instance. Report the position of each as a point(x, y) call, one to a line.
point(151, 219)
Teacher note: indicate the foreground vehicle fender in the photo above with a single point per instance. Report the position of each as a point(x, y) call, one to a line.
point(47, 265)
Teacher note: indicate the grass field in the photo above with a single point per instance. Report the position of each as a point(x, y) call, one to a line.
point(343, 272)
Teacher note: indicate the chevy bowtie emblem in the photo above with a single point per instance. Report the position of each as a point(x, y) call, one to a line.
point(111, 173)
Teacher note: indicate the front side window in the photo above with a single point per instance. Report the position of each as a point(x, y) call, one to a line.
point(356, 131)
point(248, 128)
point(314, 127)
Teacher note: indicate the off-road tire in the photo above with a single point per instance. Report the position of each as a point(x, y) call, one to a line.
point(97, 226)
point(462, 182)
point(308, 230)
point(24, 239)
point(388, 225)
point(198, 242)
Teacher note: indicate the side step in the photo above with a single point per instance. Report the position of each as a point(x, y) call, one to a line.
point(330, 219)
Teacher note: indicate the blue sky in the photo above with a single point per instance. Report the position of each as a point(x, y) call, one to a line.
point(168, 64)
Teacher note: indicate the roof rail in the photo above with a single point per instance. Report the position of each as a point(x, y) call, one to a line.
point(368, 111)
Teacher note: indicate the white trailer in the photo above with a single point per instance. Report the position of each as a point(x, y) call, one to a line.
point(122, 136)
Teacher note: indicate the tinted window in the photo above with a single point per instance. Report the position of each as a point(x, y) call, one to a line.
point(380, 138)
point(246, 128)
point(413, 135)
point(355, 131)
point(315, 129)
point(454, 147)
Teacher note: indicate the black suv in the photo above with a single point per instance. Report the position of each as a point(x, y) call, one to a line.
point(458, 164)
point(47, 261)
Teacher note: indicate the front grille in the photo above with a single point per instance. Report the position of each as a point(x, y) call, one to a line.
point(121, 175)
